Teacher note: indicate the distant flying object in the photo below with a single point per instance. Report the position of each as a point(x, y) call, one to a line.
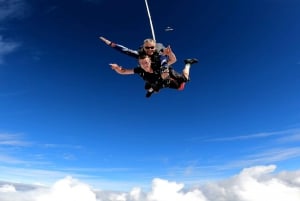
point(169, 29)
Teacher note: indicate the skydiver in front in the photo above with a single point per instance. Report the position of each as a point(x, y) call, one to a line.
point(154, 81)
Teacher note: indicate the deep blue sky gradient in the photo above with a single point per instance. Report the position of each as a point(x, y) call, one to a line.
point(58, 93)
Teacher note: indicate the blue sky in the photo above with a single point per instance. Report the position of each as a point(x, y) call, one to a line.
point(65, 112)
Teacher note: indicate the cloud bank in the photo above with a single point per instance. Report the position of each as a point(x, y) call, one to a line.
point(258, 183)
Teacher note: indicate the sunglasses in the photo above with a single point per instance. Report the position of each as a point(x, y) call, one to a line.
point(151, 47)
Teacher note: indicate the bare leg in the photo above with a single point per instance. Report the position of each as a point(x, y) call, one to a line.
point(186, 70)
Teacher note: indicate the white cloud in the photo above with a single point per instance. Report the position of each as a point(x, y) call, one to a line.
point(6, 47)
point(55, 146)
point(255, 184)
point(68, 189)
point(7, 188)
point(257, 135)
point(4, 158)
point(163, 190)
point(278, 154)
point(266, 157)
point(12, 139)
point(290, 138)
point(12, 9)
point(258, 183)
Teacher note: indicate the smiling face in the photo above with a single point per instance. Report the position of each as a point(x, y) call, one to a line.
point(149, 46)
point(145, 63)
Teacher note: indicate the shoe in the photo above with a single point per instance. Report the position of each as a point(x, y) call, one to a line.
point(181, 87)
point(190, 61)
point(148, 94)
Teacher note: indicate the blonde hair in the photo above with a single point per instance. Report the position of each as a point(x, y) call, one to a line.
point(149, 40)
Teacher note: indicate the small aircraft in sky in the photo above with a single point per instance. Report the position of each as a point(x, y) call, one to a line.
point(169, 29)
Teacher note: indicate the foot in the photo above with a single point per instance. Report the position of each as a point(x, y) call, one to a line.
point(149, 93)
point(108, 42)
point(181, 87)
point(190, 61)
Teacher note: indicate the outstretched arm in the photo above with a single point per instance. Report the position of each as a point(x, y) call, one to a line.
point(121, 70)
point(120, 48)
point(106, 41)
